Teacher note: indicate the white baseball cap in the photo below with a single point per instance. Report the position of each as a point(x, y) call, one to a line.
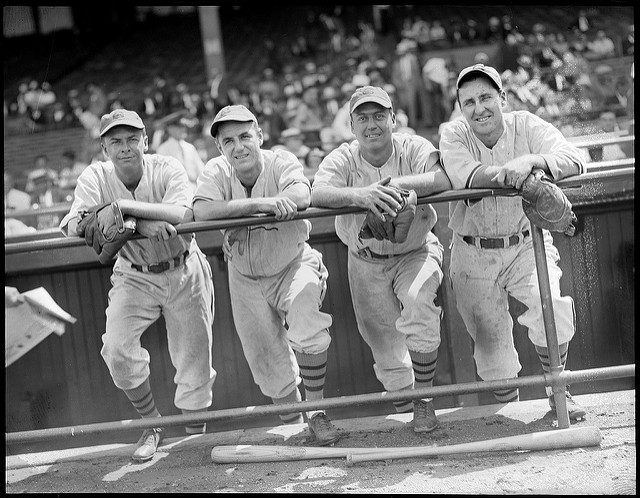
point(482, 69)
point(369, 94)
point(120, 117)
point(231, 113)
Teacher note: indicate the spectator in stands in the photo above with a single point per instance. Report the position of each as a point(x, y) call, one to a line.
point(98, 101)
point(574, 65)
point(219, 89)
point(70, 171)
point(269, 87)
point(406, 77)
point(341, 124)
point(31, 98)
point(601, 47)
point(604, 87)
point(436, 80)
point(14, 199)
point(308, 117)
point(176, 145)
point(582, 23)
point(402, 123)
point(609, 124)
point(456, 36)
point(42, 184)
point(293, 140)
point(628, 41)
point(272, 122)
point(494, 30)
point(472, 32)
point(438, 35)
point(311, 162)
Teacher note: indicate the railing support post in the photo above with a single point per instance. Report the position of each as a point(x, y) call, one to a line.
point(557, 384)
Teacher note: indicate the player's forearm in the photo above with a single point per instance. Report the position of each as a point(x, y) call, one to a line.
point(171, 213)
point(424, 184)
point(298, 193)
point(484, 175)
point(332, 197)
point(235, 208)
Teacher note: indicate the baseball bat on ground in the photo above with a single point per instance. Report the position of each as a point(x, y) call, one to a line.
point(547, 440)
point(251, 453)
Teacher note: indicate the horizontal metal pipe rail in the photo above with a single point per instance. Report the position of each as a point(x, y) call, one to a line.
point(314, 212)
point(596, 141)
point(565, 377)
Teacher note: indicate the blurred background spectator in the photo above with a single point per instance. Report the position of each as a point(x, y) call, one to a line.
point(302, 77)
point(175, 144)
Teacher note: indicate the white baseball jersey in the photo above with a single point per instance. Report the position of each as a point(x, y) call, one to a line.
point(183, 295)
point(277, 285)
point(394, 298)
point(482, 279)
point(345, 167)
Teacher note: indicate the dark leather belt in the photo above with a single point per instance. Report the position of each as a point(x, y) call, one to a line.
point(497, 243)
point(163, 265)
point(365, 252)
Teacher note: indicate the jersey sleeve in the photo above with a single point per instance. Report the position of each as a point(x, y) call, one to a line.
point(334, 169)
point(289, 170)
point(177, 186)
point(455, 152)
point(86, 195)
point(423, 155)
point(549, 142)
point(212, 182)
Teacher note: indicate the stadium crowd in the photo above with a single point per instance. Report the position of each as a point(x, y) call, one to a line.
point(301, 95)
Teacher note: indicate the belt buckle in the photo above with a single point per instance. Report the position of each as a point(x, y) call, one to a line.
point(365, 252)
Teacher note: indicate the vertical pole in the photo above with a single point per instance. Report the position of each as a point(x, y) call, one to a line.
point(558, 386)
point(211, 40)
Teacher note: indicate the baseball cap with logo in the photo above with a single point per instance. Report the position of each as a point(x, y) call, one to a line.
point(120, 117)
point(231, 113)
point(369, 94)
point(481, 69)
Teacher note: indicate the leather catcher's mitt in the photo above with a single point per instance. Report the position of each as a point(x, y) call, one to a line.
point(393, 229)
point(546, 205)
point(105, 229)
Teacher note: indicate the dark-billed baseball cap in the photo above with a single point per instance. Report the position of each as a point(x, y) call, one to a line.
point(369, 94)
point(481, 69)
point(120, 117)
point(231, 113)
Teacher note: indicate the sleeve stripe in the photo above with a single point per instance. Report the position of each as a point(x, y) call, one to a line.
point(473, 173)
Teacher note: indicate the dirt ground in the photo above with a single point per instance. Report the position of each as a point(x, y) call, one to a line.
point(179, 467)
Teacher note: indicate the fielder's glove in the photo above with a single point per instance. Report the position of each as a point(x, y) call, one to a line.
point(393, 229)
point(105, 229)
point(546, 205)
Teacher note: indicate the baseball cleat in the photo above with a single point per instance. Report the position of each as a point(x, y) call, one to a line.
point(576, 412)
point(147, 445)
point(424, 416)
point(322, 429)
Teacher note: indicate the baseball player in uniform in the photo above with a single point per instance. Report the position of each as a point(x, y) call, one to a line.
point(492, 249)
point(393, 285)
point(277, 281)
point(161, 274)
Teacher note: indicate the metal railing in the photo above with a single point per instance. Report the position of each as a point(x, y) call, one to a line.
point(557, 379)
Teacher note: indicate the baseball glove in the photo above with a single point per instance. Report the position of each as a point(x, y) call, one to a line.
point(105, 229)
point(546, 205)
point(393, 229)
